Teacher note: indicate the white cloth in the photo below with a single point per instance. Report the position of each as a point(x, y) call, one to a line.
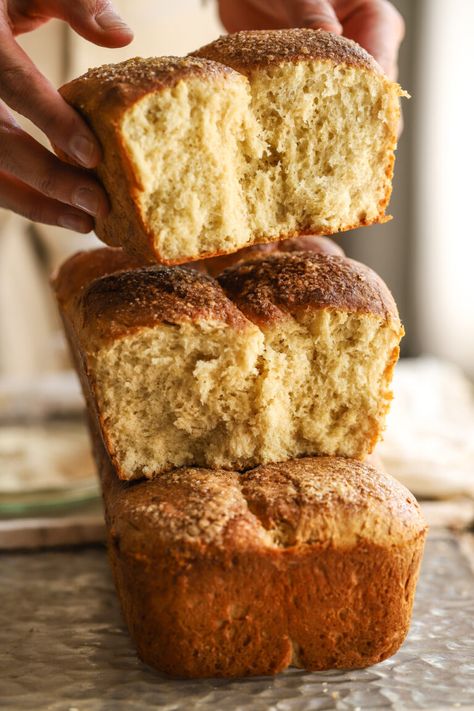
point(429, 441)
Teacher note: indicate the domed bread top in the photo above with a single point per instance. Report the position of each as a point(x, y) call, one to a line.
point(331, 500)
point(116, 86)
point(248, 49)
point(120, 303)
point(315, 500)
point(82, 268)
point(268, 289)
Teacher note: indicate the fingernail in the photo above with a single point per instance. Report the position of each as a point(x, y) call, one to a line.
point(109, 20)
point(86, 199)
point(82, 149)
point(73, 222)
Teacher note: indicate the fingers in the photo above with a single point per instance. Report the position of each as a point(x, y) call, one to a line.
point(318, 14)
point(95, 20)
point(253, 15)
point(24, 89)
point(21, 156)
point(20, 198)
point(378, 27)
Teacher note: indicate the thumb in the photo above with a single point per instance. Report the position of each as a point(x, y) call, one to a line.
point(96, 21)
point(318, 14)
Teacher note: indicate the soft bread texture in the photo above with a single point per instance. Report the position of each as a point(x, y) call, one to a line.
point(289, 355)
point(311, 562)
point(264, 135)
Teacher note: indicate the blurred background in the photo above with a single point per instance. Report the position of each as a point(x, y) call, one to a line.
point(425, 254)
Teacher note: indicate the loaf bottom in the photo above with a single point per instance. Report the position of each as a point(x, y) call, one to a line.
point(246, 615)
point(225, 593)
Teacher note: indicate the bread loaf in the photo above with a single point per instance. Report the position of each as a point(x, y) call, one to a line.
point(259, 136)
point(285, 356)
point(311, 562)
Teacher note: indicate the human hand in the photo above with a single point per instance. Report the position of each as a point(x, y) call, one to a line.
point(33, 181)
point(375, 24)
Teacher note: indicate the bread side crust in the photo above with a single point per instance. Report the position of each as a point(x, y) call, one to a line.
point(203, 599)
point(102, 96)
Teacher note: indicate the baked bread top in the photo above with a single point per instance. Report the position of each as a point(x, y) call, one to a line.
point(83, 268)
point(113, 88)
point(327, 501)
point(267, 289)
point(308, 243)
point(251, 48)
point(114, 298)
point(119, 304)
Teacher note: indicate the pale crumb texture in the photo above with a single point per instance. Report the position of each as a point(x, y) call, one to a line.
point(300, 140)
point(292, 355)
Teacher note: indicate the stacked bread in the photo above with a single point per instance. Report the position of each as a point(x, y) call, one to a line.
point(234, 400)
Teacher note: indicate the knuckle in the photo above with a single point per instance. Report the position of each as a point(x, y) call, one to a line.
point(48, 184)
point(13, 80)
point(35, 211)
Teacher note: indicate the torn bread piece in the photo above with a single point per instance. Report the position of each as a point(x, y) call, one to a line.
point(284, 356)
point(259, 136)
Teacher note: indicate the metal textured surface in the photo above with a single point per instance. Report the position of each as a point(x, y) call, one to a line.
point(63, 647)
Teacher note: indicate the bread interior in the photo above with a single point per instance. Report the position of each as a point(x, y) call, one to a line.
point(295, 147)
point(212, 396)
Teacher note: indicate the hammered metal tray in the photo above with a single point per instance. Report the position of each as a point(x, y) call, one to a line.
point(63, 647)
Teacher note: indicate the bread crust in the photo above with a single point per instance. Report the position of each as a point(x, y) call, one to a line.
point(268, 289)
point(122, 297)
point(245, 50)
point(102, 96)
point(83, 268)
point(124, 302)
point(113, 88)
point(312, 562)
point(309, 243)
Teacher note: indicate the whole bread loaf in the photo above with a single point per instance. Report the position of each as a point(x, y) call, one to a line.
point(258, 136)
point(286, 355)
point(311, 562)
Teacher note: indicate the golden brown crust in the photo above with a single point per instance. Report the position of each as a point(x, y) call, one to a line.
point(221, 574)
point(121, 299)
point(83, 268)
point(268, 289)
point(298, 502)
point(115, 87)
point(121, 303)
point(246, 50)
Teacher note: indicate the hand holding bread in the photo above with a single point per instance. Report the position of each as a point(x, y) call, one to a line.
point(33, 182)
point(234, 400)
